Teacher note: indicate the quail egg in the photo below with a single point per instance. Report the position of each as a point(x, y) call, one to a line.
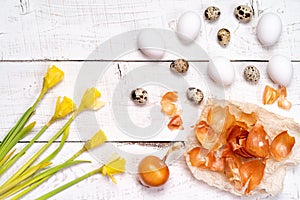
point(195, 95)
point(179, 65)
point(251, 74)
point(212, 13)
point(243, 13)
point(223, 37)
point(139, 96)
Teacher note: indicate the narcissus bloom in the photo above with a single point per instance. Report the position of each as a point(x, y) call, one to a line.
point(98, 139)
point(63, 108)
point(53, 76)
point(90, 100)
point(115, 165)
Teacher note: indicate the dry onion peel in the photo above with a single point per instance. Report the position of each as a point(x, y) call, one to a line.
point(282, 146)
point(175, 123)
point(271, 95)
point(274, 171)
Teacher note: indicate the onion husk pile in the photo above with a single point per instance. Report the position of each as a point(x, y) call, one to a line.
point(242, 148)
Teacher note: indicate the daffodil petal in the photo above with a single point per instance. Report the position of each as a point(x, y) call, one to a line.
point(98, 139)
point(90, 100)
point(53, 76)
point(63, 108)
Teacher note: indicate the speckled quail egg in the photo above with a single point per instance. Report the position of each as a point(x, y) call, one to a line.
point(195, 95)
point(243, 13)
point(212, 13)
point(179, 65)
point(224, 36)
point(139, 96)
point(251, 74)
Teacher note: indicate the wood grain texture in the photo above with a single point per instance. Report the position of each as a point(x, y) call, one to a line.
point(36, 33)
point(29, 81)
point(21, 82)
point(64, 30)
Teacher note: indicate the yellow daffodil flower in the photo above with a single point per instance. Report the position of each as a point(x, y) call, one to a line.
point(98, 139)
point(63, 108)
point(90, 100)
point(53, 76)
point(115, 165)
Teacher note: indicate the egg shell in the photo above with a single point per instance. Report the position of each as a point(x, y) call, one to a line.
point(151, 44)
point(268, 29)
point(280, 70)
point(221, 71)
point(188, 26)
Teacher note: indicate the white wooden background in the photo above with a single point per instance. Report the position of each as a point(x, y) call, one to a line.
point(35, 33)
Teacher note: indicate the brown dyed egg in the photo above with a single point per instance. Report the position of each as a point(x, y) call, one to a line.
point(243, 13)
point(223, 37)
point(212, 13)
point(179, 65)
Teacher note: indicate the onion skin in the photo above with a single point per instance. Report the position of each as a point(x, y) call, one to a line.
point(232, 165)
point(257, 143)
point(284, 103)
point(205, 135)
point(168, 105)
point(153, 172)
point(169, 97)
point(270, 95)
point(237, 139)
point(251, 173)
point(208, 161)
point(282, 146)
point(195, 157)
point(175, 123)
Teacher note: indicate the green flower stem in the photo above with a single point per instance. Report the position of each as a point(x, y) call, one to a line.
point(69, 184)
point(57, 150)
point(81, 151)
point(31, 170)
point(28, 189)
point(38, 179)
point(12, 141)
point(44, 148)
point(3, 161)
point(23, 151)
point(20, 124)
point(5, 188)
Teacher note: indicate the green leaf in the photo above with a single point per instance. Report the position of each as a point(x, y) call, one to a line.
point(69, 184)
point(62, 142)
point(3, 161)
point(11, 142)
point(24, 176)
point(22, 152)
point(38, 179)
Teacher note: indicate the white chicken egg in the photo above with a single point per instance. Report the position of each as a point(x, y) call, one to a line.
point(268, 29)
point(280, 70)
point(221, 71)
point(188, 26)
point(151, 44)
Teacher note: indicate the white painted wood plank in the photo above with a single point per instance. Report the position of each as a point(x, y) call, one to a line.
point(73, 29)
point(181, 184)
point(20, 84)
